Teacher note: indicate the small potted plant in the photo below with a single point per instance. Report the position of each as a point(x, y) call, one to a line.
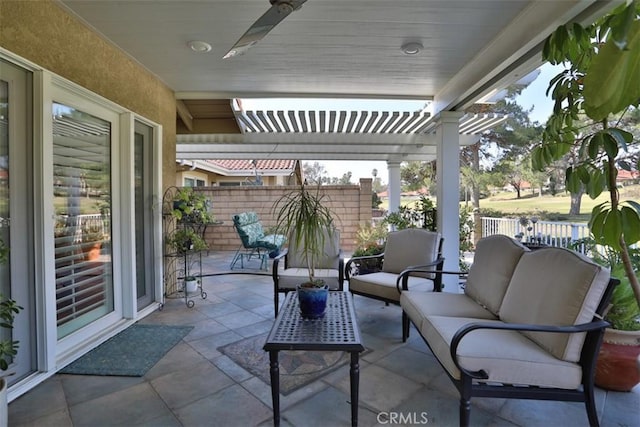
point(92, 238)
point(304, 217)
point(190, 284)
point(190, 206)
point(185, 240)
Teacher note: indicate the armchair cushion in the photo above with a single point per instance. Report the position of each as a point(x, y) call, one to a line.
point(507, 356)
point(495, 260)
point(400, 250)
point(538, 294)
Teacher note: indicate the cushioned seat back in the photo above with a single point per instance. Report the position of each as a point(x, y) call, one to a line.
point(555, 286)
point(249, 228)
point(494, 261)
point(330, 258)
point(410, 247)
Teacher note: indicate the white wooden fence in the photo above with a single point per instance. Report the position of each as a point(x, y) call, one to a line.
point(550, 233)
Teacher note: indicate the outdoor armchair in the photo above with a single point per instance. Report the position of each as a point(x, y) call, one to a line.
point(405, 251)
point(290, 268)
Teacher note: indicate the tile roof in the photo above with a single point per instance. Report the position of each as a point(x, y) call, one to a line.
point(269, 164)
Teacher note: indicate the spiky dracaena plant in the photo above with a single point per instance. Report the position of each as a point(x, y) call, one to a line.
point(303, 215)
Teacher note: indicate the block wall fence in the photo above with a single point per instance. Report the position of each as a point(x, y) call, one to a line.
point(350, 204)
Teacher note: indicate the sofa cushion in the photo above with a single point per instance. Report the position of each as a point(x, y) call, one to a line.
point(507, 356)
point(383, 285)
point(410, 247)
point(495, 259)
point(555, 286)
point(419, 304)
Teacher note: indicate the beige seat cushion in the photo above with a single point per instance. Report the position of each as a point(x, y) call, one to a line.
point(383, 285)
point(495, 260)
point(410, 247)
point(507, 356)
point(292, 277)
point(555, 286)
point(419, 304)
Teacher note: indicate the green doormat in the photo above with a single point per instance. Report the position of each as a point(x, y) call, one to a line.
point(297, 368)
point(131, 353)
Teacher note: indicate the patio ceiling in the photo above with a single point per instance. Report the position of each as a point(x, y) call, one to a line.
point(329, 49)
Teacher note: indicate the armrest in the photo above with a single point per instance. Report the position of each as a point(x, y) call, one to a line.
point(276, 260)
point(481, 374)
point(347, 267)
point(402, 282)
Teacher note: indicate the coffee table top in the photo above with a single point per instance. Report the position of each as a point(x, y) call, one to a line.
point(337, 330)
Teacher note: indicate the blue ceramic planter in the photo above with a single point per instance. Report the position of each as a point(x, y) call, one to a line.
point(313, 301)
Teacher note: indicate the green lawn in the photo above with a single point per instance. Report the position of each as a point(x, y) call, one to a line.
point(558, 205)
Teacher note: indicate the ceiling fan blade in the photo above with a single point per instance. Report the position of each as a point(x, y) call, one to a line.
point(279, 10)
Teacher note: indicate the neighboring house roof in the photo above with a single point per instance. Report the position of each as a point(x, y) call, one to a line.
point(260, 165)
point(624, 175)
point(270, 167)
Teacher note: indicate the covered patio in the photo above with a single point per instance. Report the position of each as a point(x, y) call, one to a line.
point(195, 384)
point(148, 82)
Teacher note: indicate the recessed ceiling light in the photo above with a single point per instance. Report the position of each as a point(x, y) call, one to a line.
point(199, 46)
point(412, 48)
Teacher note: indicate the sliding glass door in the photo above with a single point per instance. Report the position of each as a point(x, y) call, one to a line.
point(82, 195)
point(16, 219)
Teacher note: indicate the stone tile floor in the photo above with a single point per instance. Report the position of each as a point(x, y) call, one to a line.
point(196, 385)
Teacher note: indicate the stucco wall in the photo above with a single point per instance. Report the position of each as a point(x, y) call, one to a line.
point(351, 205)
point(44, 33)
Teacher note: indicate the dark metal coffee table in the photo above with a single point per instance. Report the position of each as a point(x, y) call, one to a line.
point(336, 331)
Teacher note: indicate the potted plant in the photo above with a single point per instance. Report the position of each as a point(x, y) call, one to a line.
point(596, 109)
point(8, 347)
point(190, 284)
point(190, 206)
point(304, 217)
point(369, 244)
point(92, 238)
point(185, 240)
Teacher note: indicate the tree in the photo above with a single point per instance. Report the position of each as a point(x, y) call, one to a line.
point(314, 173)
point(417, 175)
point(509, 141)
point(599, 84)
point(346, 178)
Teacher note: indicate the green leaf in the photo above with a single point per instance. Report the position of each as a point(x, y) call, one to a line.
point(635, 205)
point(630, 225)
point(621, 24)
point(610, 145)
point(583, 173)
point(594, 145)
point(596, 222)
point(572, 181)
point(621, 137)
point(612, 229)
point(611, 82)
point(624, 165)
point(595, 185)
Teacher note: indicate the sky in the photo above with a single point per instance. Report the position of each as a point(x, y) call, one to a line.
point(533, 96)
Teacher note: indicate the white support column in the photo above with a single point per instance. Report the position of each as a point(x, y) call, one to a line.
point(394, 185)
point(448, 193)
